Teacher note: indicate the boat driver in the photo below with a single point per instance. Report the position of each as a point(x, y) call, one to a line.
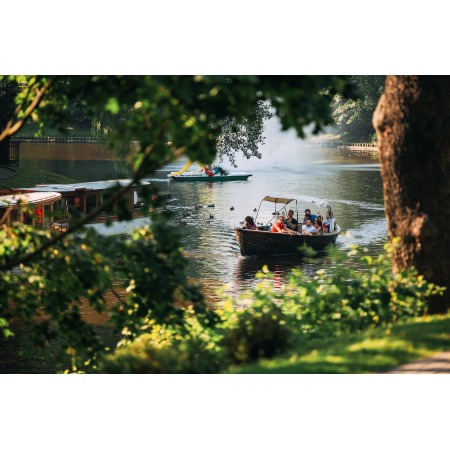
point(309, 228)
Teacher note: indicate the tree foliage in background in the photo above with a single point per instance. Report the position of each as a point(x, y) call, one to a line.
point(353, 117)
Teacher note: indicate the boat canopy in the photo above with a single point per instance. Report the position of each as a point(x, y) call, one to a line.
point(268, 198)
point(302, 198)
point(317, 201)
point(91, 185)
point(30, 198)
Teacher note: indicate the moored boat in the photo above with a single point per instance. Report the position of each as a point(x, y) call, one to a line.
point(39, 209)
point(264, 242)
point(195, 176)
point(212, 174)
point(81, 199)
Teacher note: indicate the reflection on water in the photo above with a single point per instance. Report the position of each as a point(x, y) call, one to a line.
point(354, 192)
point(350, 182)
point(83, 162)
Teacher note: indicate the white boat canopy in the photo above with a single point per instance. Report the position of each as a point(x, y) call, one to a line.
point(302, 198)
point(317, 201)
point(91, 185)
point(30, 198)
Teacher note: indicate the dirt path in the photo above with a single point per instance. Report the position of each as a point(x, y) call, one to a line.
point(438, 363)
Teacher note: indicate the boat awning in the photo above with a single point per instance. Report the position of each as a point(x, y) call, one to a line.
point(268, 198)
point(317, 201)
point(30, 198)
point(301, 198)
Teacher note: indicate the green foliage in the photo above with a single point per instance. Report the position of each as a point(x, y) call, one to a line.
point(259, 331)
point(50, 291)
point(188, 348)
point(354, 116)
point(171, 115)
point(345, 300)
point(304, 311)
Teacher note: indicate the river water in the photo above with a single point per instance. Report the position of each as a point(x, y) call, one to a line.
point(350, 182)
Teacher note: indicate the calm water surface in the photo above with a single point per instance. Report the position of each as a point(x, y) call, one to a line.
point(350, 183)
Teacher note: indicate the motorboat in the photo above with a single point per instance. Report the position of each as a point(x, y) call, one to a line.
point(263, 241)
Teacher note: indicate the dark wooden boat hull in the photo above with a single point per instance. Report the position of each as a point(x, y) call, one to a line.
point(267, 243)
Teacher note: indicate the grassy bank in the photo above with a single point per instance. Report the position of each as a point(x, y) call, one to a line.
point(28, 176)
point(373, 351)
point(30, 129)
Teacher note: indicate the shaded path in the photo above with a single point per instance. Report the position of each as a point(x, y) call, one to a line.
point(438, 363)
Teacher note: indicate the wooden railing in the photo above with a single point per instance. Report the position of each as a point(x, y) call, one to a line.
point(67, 139)
point(348, 145)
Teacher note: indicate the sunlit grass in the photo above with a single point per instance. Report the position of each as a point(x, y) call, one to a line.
point(373, 351)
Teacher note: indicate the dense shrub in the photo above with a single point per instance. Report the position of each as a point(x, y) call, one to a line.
point(269, 321)
point(188, 348)
point(259, 331)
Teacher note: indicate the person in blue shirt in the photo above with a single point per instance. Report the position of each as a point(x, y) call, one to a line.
point(309, 216)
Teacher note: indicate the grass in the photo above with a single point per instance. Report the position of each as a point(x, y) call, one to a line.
point(373, 351)
point(27, 176)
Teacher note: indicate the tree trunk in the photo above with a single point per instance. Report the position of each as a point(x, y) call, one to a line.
point(412, 121)
point(4, 151)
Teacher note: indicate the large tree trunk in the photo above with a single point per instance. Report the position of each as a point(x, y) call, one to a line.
point(412, 121)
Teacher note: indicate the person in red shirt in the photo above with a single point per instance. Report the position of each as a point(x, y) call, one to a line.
point(280, 227)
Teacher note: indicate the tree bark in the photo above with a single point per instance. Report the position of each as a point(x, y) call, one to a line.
point(412, 121)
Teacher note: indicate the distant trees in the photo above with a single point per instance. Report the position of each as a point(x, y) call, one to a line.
point(353, 117)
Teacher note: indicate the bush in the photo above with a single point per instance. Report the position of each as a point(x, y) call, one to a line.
point(332, 303)
point(188, 348)
point(260, 331)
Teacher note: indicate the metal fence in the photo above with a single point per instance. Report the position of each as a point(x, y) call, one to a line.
point(86, 139)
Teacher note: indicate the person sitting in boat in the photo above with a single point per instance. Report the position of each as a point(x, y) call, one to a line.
point(309, 216)
point(309, 229)
point(290, 222)
point(279, 227)
point(319, 226)
point(219, 171)
point(249, 224)
point(328, 221)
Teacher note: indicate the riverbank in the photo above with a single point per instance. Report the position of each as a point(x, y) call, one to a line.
point(375, 351)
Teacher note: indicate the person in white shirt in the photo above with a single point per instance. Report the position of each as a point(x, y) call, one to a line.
point(309, 228)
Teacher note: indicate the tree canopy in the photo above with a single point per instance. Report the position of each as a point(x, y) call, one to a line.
point(353, 117)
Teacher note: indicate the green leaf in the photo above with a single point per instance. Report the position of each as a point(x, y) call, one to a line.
point(112, 105)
